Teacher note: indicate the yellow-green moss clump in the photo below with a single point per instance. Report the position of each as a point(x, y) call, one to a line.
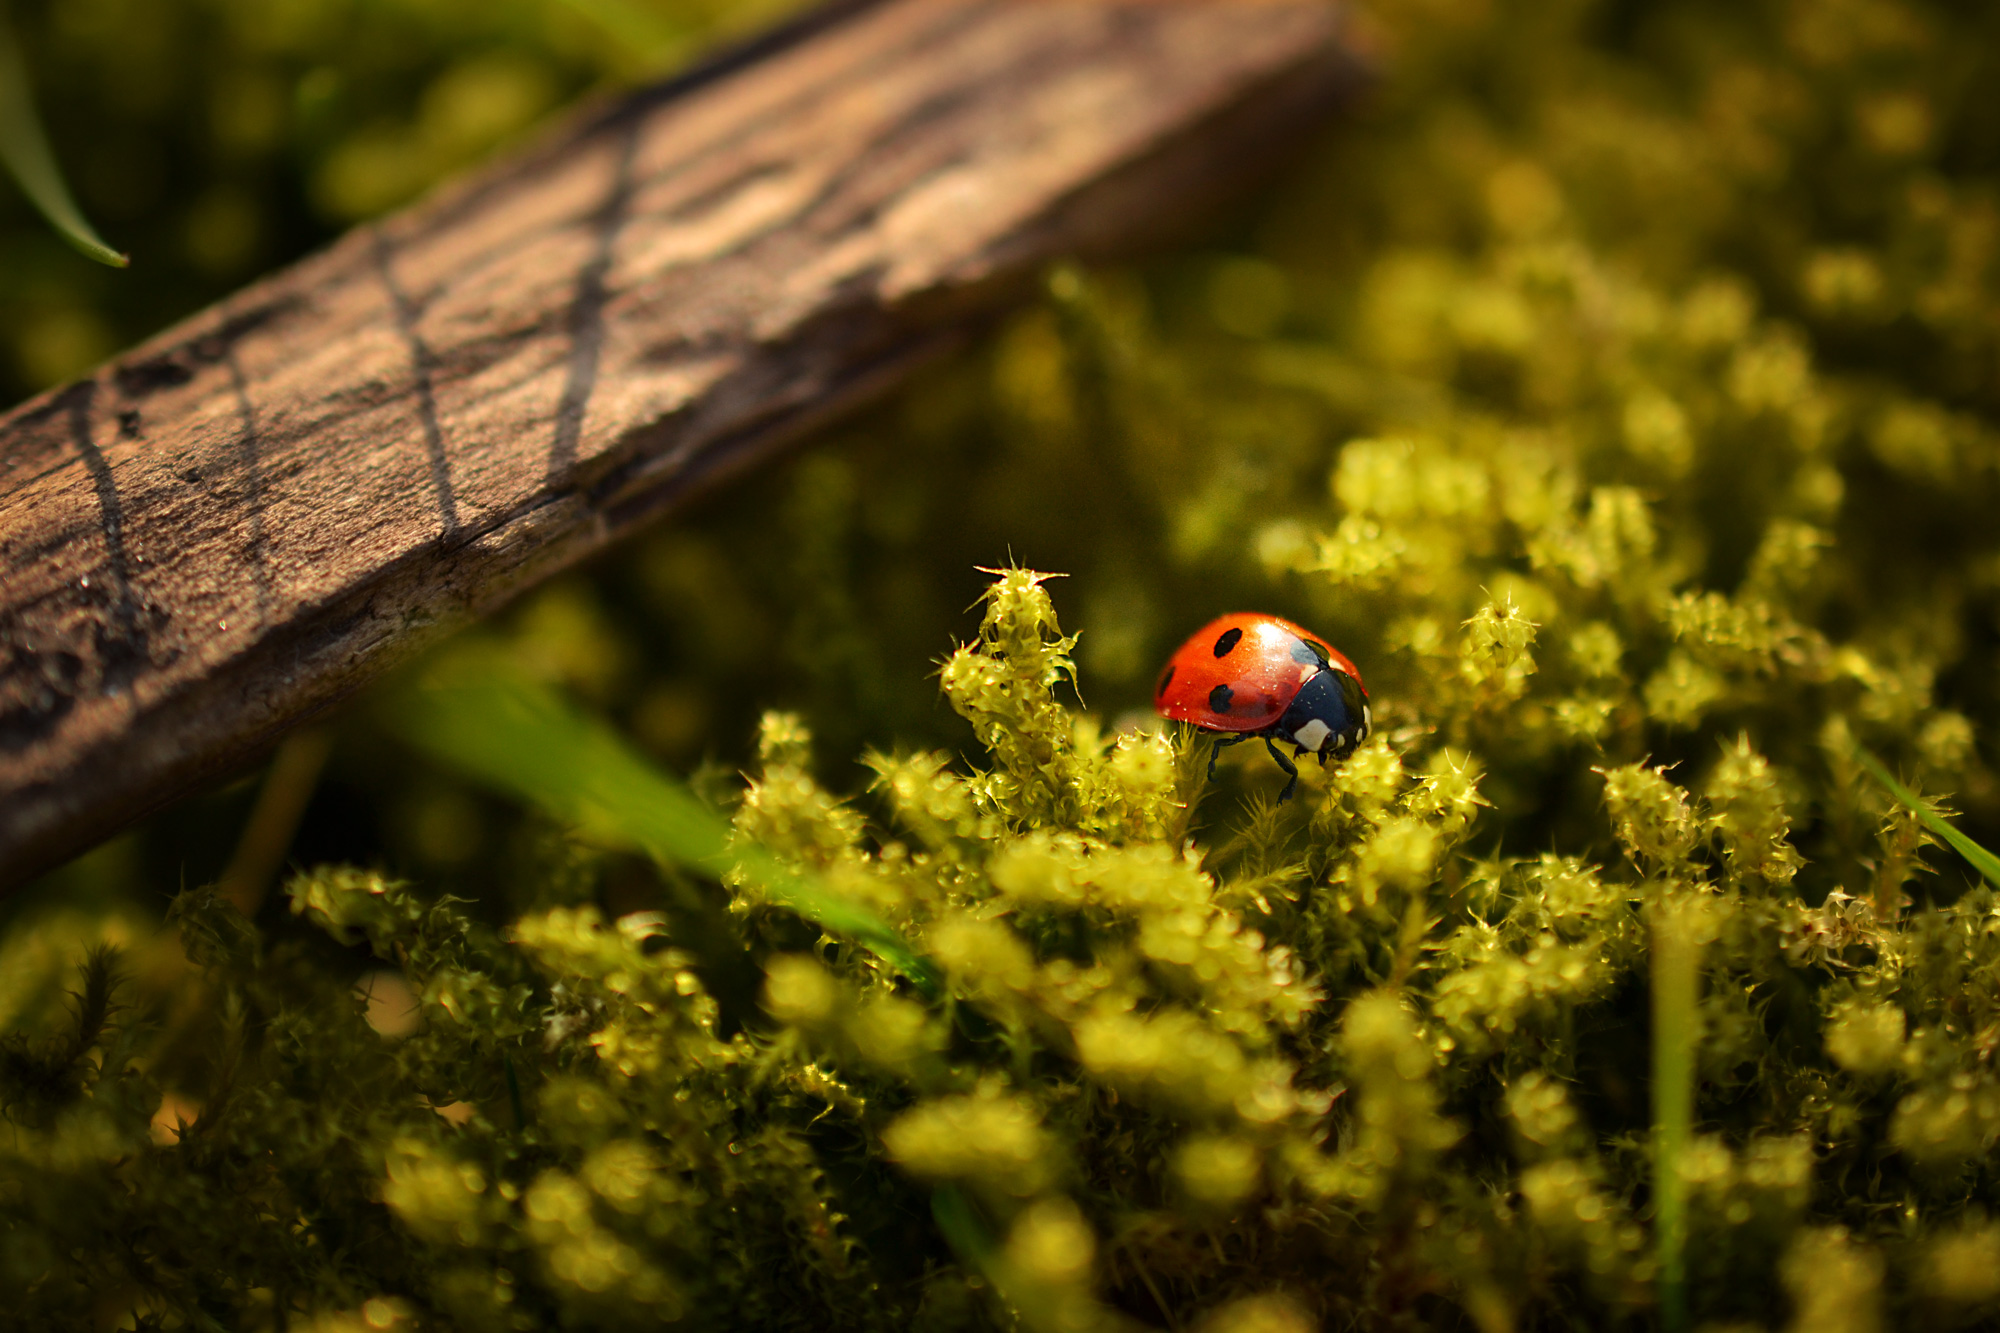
point(1347, 1069)
point(1620, 393)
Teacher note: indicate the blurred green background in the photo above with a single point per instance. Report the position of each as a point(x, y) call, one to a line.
point(215, 139)
point(1815, 182)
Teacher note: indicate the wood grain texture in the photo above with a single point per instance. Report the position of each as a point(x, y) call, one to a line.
point(246, 518)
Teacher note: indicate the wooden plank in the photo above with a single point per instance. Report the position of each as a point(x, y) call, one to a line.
point(244, 519)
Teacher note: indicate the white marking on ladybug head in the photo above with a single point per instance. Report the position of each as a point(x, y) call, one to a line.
point(1312, 735)
point(1367, 722)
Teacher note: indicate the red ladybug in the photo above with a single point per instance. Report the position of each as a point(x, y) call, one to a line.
point(1248, 675)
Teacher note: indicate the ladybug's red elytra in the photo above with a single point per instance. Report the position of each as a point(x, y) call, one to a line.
point(1248, 675)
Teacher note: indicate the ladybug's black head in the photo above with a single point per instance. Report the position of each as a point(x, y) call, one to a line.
point(1328, 716)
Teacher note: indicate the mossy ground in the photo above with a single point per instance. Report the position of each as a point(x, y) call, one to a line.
point(1621, 390)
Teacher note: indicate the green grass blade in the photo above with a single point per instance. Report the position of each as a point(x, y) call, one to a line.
point(1676, 947)
point(24, 148)
point(521, 738)
point(1985, 862)
point(963, 1230)
point(639, 30)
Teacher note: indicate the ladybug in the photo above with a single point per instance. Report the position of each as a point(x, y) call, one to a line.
point(1248, 675)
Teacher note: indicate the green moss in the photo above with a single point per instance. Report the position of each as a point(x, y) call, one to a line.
point(1618, 394)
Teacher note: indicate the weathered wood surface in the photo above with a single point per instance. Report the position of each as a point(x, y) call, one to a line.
point(247, 517)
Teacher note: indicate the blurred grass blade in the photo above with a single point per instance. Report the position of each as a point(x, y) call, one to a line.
point(636, 28)
point(1985, 862)
point(274, 819)
point(1677, 930)
point(520, 737)
point(25, 151)
point(963, 1229)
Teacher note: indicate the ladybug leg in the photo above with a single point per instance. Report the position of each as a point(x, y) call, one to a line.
point(1291, 770)
point(1215, 752)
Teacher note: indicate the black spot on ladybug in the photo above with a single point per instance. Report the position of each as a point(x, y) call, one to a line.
point(1166, 679)
point(1219, 697)
point(1230, 638)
